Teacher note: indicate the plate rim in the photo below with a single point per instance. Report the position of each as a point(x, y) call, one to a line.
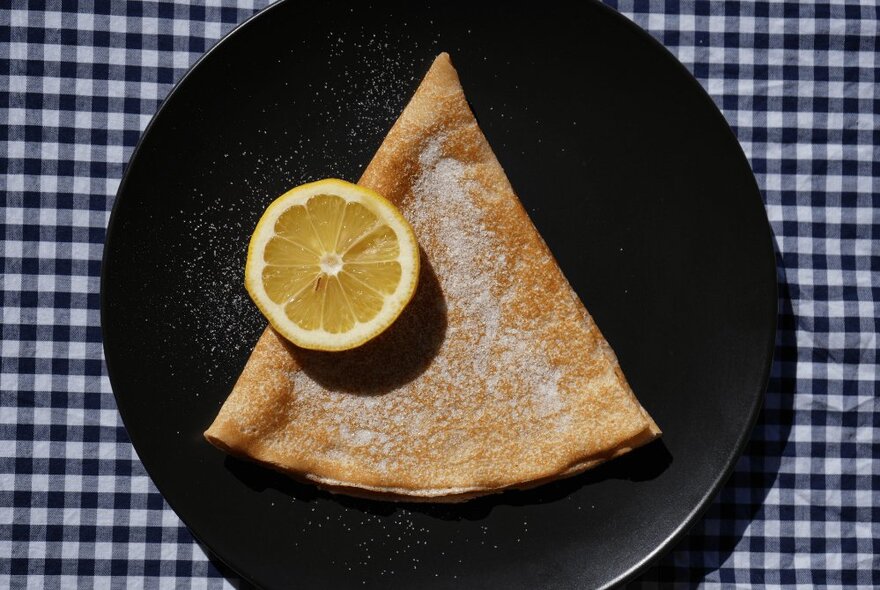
point(757, 399)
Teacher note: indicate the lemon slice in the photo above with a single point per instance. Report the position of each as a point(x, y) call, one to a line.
point(331, 265)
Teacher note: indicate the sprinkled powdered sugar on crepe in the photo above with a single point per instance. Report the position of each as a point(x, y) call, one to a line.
point(473, 263)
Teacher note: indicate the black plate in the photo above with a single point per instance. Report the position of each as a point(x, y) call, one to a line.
point(630, 173)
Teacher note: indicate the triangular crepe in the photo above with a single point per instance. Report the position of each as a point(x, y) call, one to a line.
point(495, 375)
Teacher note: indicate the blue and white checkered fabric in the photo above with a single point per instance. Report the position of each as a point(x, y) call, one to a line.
point(80, 79)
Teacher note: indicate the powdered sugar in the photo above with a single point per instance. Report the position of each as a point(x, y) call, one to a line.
point(447, 202)
point(444, 204)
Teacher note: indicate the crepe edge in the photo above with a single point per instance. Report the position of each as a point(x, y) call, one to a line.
point(436, 495)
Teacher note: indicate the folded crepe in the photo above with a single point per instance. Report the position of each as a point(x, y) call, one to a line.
point(494, 377)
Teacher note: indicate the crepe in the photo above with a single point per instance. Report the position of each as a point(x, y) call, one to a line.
point(494, 377)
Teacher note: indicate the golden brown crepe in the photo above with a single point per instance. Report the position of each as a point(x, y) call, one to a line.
point(494, 377)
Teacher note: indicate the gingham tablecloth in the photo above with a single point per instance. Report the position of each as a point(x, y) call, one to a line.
point(80, 79)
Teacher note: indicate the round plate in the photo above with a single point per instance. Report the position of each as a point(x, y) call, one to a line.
point(629, 172)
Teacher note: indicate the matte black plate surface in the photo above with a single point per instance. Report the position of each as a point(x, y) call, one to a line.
point(628, 170)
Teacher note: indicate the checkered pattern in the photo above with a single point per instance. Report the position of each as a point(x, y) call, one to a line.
point(797, 81)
